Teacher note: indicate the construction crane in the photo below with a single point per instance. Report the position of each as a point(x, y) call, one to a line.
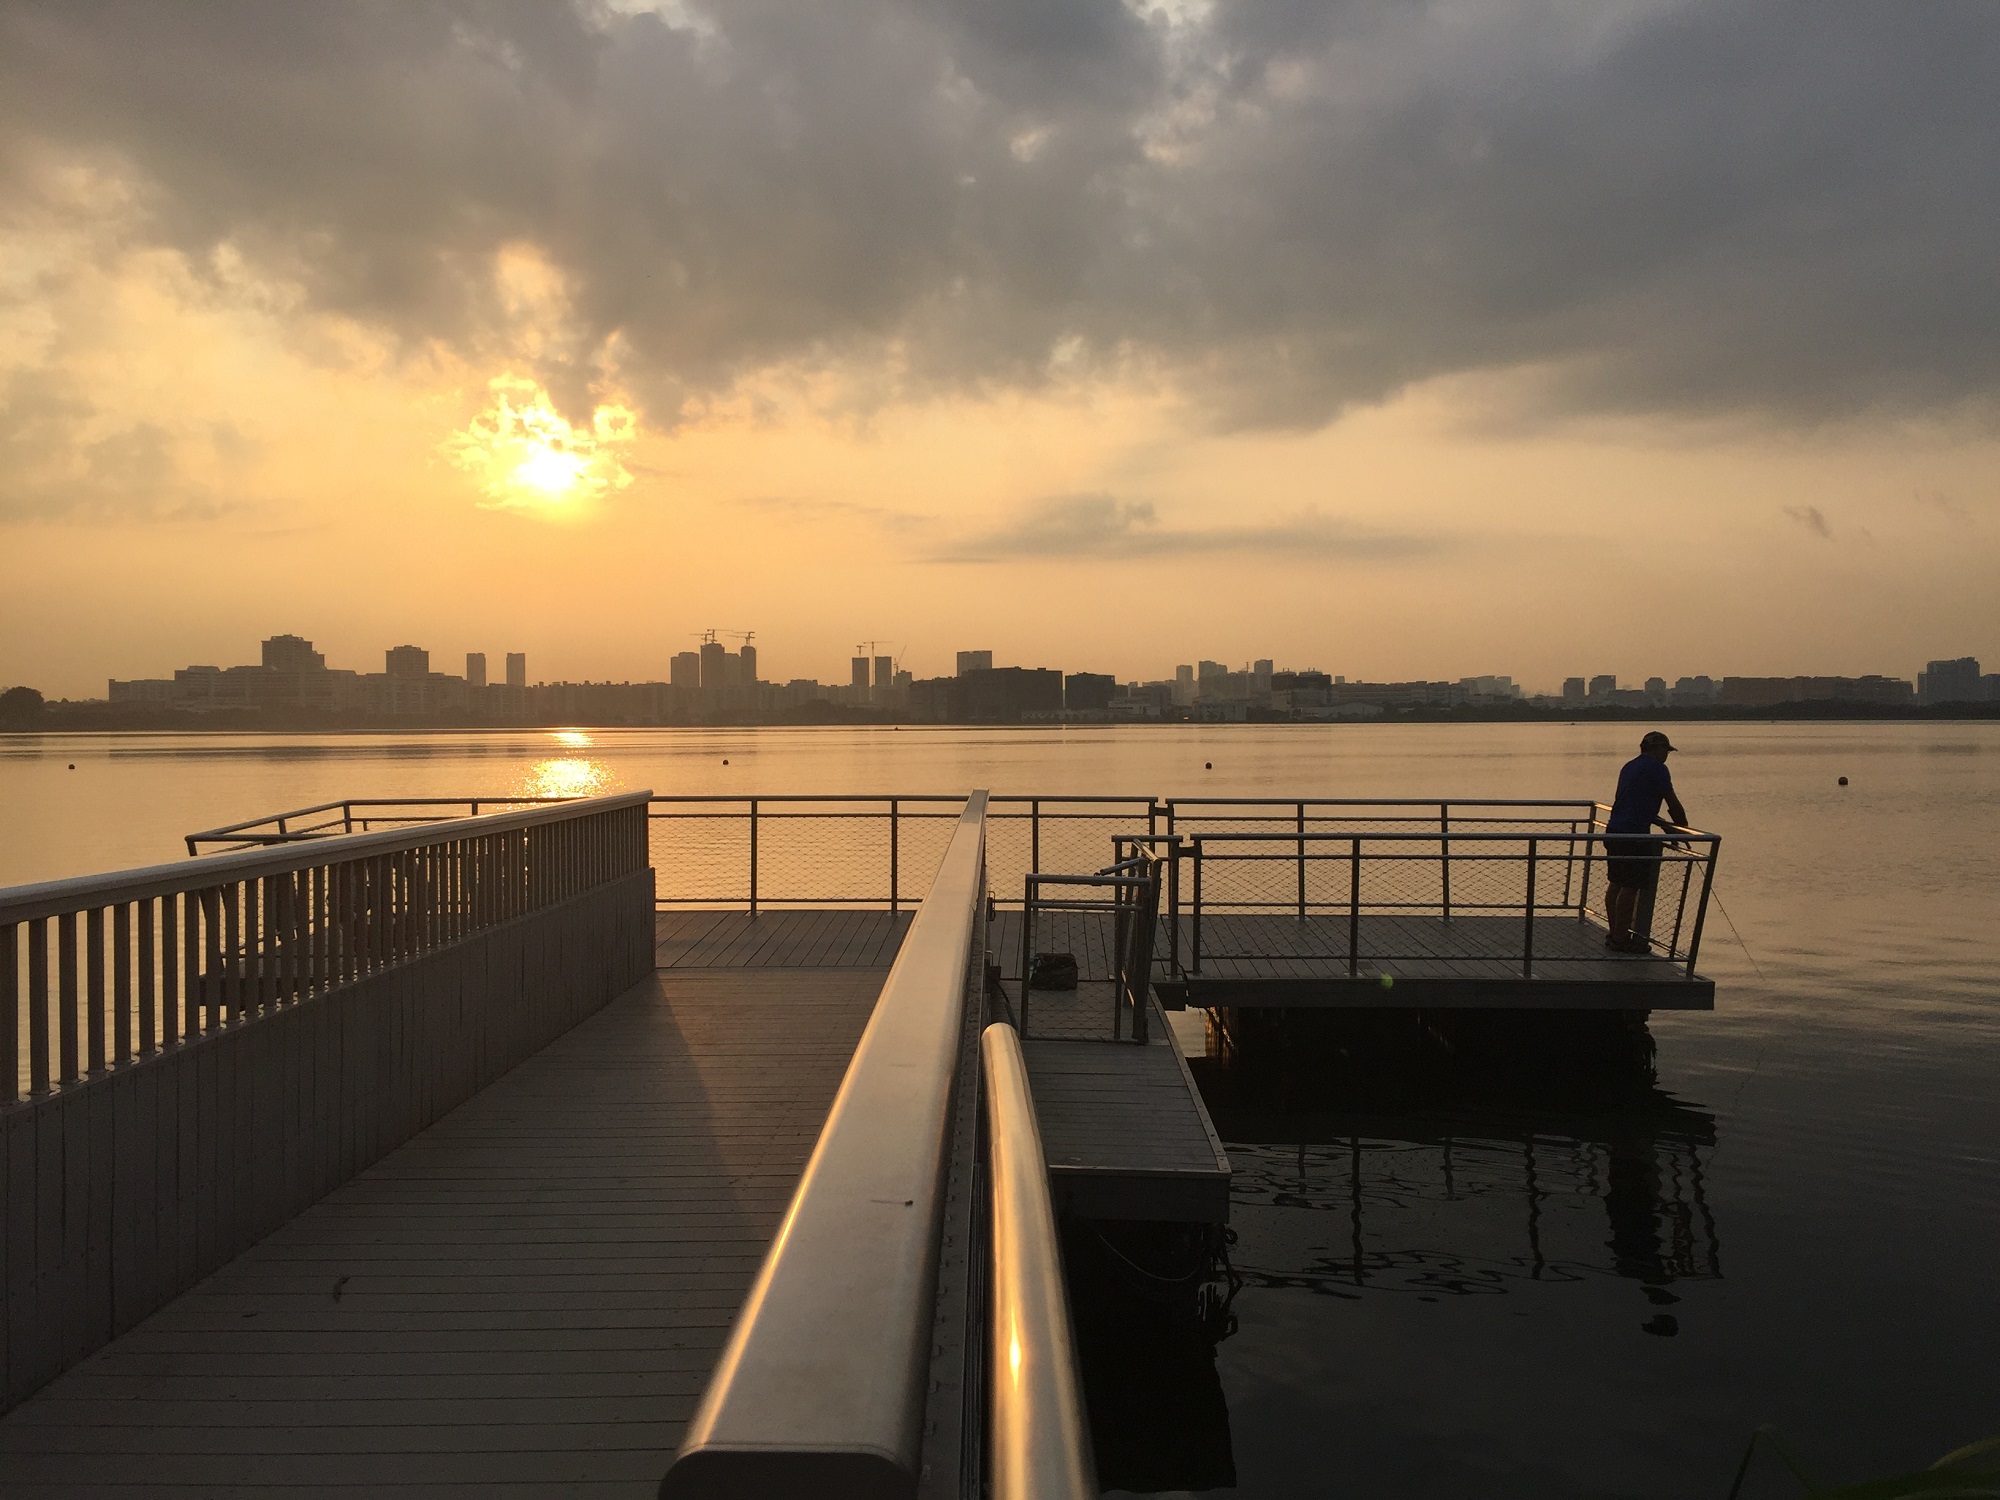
point(745, 636)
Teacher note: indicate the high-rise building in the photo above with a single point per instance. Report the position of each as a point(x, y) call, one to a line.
point(974, 661)
point(291, 653)
point(1088, 691)
point(1260, 674)
point(1574, 689)
point(517, 669)
point(685, 670)
point(714, 664)
point(408, 661)
point(1951, 682)
point(475, 669)
point(857, 674)
point(1184, 685)
point(885, 673)
point(1603, 686)
point(748, 669)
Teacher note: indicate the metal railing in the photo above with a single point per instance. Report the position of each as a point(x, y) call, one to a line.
point(1127, 891)
point(100, 970)
point(782, 850)
point(1038, 1443)
point(821, 1388)
point(1333, 883)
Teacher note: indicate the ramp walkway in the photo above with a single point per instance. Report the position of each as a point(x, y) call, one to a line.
point(526, 1299)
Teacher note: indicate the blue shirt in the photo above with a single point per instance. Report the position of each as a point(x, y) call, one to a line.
point(1643, 785)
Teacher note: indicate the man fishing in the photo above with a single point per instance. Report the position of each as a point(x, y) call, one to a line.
point(1634, 863)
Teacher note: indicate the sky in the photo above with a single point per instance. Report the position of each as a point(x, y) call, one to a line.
point(1393, 339)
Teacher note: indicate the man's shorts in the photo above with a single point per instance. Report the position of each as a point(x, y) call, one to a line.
point(1632, 863)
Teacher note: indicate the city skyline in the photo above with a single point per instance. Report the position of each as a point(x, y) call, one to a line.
point(1307, 330)
point(293, 676)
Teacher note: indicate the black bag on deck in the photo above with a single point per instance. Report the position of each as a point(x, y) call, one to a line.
point(1052, 971)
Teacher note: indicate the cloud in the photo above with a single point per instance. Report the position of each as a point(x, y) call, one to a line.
point(61, 458)
point(1810, 517)
point(1096, 528)
point(887, 518)
point(1681, 206)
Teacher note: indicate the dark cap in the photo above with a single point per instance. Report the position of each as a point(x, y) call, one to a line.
point(1656, 741)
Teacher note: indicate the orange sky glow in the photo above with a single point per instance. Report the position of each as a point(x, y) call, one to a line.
point(202, 447)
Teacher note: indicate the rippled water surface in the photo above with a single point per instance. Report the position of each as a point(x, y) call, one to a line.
point(1532, 1282)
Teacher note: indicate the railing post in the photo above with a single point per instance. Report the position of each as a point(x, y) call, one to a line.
point(1194, 935)
point(1528, 936)
point(1701, 911)
point(753, 856)
point(66, 996)
point(1302, 861)
point(1589, 853)
point(1035, 833)
point(38, 1005)
point(10, 1011)
point(1354, 911)
point(892, 857)
point(1444, 844)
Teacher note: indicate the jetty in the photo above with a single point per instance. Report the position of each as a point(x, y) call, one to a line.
point(679, 1145)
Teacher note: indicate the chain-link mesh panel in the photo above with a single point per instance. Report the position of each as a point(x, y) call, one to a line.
point(1055, 836)
point(700, 856)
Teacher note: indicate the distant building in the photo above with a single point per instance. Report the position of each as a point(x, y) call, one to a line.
point(1088, 691)
point(408, 661)
point(1006, 695)
point(1261, 674)
point(1951, 682)
point(1768, 692)
point(291, 653)
point(475, 669)
point(1694, 691)
point(974, 661)
point(1184, 685)
point(885, 673)
point(857, 677)
point(1656, 692)
point(747, 664)
point(517, 669)
point(1488, 687)
point(1575, 690)
point(1603, 688)
point(714, 665)
point(684, 671)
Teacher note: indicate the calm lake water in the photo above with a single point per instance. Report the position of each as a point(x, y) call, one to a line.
point(1468, 1286)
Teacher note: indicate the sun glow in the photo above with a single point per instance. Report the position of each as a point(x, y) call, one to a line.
point(526, 455)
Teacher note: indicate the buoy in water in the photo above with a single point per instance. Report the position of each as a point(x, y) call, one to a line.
point(1207, 765)
point(725, 760)
point(1843, 781)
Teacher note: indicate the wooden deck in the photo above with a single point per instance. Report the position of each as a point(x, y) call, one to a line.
point(1250, 959)
point(526, 1299)
point(845, 939)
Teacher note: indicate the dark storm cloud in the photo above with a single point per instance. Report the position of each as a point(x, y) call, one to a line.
point(1098, 528)
point(1286, 207)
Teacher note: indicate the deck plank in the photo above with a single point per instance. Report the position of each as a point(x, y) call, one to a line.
point(526, 1298)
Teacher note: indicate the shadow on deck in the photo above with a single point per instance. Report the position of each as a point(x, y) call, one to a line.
point(527, 1298)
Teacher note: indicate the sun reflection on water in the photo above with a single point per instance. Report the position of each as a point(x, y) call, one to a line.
point(570, 775)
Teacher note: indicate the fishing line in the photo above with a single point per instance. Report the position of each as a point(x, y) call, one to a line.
point(1759, 968)
point(1758, 1061)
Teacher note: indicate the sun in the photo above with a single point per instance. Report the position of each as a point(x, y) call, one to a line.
point(526, 455)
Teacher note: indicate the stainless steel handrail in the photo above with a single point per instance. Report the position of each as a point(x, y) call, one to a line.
point(821, 1387)
point(1038, 1442)
point(22, 903)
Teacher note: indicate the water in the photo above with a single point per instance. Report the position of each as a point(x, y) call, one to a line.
point(1457, 1287)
